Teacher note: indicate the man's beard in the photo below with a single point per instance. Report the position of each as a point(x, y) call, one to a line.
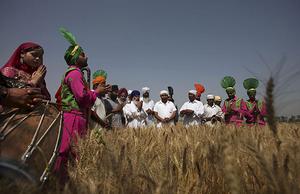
point(146, 99)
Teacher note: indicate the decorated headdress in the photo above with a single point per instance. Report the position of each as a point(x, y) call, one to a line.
point(73, 52)
point(99, 77)
point(251, 84)
point(228, 83)
point(199, 88)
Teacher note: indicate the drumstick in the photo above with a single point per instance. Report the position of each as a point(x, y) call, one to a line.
point(109, 115)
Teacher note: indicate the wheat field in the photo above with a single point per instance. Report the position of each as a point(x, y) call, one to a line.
point(224, 159)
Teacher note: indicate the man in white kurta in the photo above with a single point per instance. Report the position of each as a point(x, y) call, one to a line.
point(135, 115)
point(164, 110)
point(192, 111)
point(212, 112)
point(148, 105)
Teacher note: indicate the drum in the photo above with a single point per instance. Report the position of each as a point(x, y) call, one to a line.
point(29, 142)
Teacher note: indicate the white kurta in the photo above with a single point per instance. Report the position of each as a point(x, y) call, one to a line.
point(148, 105)
point(196, 117)
point(164, 110)
point(99, 108)
point(210, 111)
point(135, 118)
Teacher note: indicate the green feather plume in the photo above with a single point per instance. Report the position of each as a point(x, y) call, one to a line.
point(68, 36)
point(227, 81)
point(99, 73)
point(250, 83)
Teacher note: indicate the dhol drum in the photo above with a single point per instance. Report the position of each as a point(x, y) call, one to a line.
point(29, 142)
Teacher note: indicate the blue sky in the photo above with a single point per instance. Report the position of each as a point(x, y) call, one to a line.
point(159, 43)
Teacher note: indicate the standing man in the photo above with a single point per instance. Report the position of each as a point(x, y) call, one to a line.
point(77, 100)
point(218, 100)
point(233, 113)
point(212, 112)
point(164, 110)
point(170, 98)
point(114, 108)
point(192, 110)
point(254, 110)
point(98, 112)
point(134, 113)
point(148, 105)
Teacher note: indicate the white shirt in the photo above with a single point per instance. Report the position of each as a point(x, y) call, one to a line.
point(195, 118)
point(210, 111)
point(164, 110)
point(134, 116)
point(148, 105)
point(99, 108)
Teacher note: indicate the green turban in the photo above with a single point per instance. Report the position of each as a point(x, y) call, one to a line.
point(73, 52)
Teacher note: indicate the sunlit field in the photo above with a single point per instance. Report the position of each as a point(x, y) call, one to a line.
point(201, 159)
point(224, 159)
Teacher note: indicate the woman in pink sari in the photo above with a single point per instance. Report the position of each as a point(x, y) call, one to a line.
point(26, 65)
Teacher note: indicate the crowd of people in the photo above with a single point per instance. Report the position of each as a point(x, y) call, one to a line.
point(106, 106)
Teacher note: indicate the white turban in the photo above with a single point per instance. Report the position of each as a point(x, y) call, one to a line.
point(164, 92)
point(210, 97)
point(129, 92)
point(145, 89)
point(193, 92)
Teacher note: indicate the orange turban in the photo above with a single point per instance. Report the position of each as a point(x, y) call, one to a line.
point(99, 80)
point(199, 88)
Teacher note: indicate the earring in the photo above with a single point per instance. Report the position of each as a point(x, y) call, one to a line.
point(21, 60)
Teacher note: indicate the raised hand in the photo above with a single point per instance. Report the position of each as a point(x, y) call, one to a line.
point(38, 76)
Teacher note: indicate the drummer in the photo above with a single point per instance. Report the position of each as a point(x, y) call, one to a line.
point(76, 100)
point(26, 66)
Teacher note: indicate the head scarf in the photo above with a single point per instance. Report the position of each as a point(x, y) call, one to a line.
point(122, 90)
point(14, 60)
